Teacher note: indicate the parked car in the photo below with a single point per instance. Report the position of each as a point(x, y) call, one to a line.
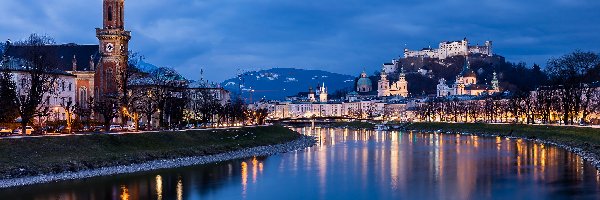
point(116, 128)
point(62, 130)
point(28, 130)
point(98, 129)
point(129, 128)
point(86, 129)
point(39, 131)
point(5, 131)
point(48, 129)
point(142, 127)
point(190, 126)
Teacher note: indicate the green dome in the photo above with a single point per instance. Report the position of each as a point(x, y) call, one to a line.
point(364, 82)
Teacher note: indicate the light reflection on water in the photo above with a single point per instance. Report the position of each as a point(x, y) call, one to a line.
point(358, 164)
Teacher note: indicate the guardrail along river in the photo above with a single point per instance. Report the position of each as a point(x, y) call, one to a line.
point(361, 164)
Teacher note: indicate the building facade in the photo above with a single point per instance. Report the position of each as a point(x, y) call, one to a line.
point(450, 49)
point(54, 102)
point(360, 109)
point(398, 88)
point(466, 84)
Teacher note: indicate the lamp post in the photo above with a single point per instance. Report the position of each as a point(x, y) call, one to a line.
point(69, 106)
point(135, 117)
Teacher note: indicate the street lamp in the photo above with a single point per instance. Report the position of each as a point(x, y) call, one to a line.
point(135, 117)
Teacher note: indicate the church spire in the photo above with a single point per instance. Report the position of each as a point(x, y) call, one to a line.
point(495, 83)
point(466, 65)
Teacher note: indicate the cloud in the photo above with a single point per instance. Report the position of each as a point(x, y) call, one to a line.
point(224, 37)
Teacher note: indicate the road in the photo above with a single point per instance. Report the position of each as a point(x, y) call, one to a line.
point(121, 133)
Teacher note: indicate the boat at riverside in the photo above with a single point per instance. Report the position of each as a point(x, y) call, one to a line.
point(358, 164)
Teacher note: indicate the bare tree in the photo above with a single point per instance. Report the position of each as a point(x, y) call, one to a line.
point(8, 105)
point(571, 75)
point(83, 111)
point(39, 63)
point(108, 108)
point(69, 107)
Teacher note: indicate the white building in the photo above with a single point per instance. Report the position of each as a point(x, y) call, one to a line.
point(449, 49)
point(55, 100)
point(390, 67)
point(466, 84)
point(360, 109)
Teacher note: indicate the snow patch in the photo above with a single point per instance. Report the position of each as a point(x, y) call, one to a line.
point(287, 80)
point(229, 84)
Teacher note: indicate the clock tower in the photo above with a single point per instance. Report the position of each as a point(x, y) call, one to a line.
point(113, 42)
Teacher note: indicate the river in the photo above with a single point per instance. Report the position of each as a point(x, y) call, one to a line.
point(358, 164)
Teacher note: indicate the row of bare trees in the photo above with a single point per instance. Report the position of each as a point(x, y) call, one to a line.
point(570, 96)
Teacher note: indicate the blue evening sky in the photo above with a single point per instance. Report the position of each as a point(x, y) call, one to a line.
point(344, 36)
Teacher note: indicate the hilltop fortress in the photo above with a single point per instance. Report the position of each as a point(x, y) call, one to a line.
point(449, 49)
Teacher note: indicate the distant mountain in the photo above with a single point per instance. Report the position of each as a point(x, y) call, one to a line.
point(277, 83)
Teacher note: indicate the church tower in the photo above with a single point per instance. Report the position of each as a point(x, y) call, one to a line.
point(403, 84)
point(113, 42)
point(311, 95)
point(323, 94)
point(383, 86)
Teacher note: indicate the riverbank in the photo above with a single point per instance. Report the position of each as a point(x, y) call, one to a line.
point(583, 141)
point(30, 160)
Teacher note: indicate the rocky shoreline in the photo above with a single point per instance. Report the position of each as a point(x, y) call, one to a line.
point(587, 156)
point(298, 144)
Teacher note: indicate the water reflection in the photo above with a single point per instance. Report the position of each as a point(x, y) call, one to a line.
point(158, 187)
point(358, 164)
point(179, 188)
point(124, 193)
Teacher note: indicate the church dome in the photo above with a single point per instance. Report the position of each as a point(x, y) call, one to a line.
point(364, 82)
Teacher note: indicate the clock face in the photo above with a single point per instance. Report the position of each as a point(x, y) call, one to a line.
point(110, 47)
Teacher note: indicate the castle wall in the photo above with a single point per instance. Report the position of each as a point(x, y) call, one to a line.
point(450, 49)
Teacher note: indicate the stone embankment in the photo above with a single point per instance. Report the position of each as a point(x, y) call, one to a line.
point(298, 144)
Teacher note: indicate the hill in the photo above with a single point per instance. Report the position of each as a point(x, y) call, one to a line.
point(423, 74)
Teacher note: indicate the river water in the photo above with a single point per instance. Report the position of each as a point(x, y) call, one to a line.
point(348, 164)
